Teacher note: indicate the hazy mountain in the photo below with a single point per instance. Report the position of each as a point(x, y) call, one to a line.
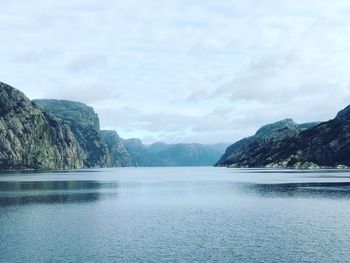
point(162, 154)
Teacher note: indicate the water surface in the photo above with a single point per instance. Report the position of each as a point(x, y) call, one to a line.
point(175, 214)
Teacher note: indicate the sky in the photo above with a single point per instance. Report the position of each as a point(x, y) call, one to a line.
point(203, 71)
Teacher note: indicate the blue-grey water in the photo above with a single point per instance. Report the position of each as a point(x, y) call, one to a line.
point(175, 215)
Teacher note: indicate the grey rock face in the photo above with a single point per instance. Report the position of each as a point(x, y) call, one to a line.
point(119, 156)
point(31, 139)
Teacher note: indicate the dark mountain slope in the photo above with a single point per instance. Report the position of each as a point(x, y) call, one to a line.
point(287, 144)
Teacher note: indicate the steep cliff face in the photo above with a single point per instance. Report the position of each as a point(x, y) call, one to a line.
point(119, 156)
point(162, 154)
point(84, 123)
point(324, 144)
point(31, 139)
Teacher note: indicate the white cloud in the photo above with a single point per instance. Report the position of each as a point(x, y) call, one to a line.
point(182, 70)
point(86, 63)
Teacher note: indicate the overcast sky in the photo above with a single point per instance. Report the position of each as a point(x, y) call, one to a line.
point(179, 70)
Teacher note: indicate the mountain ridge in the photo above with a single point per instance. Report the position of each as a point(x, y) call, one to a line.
point(180, 154)
point(311, 145)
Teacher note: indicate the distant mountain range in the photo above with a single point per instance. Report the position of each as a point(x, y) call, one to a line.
point(61, 134)
point(286, 144)
point(162, 154)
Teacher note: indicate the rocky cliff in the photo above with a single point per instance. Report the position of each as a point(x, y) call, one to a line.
point(84, 123)
point(162, 154)
point(100, 148)
point(32, 139)
point(119, 155)
point(312, 145)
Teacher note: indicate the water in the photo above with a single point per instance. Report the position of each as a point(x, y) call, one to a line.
point(176, 215)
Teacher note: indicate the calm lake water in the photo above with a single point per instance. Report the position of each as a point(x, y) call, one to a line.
point(175, 214)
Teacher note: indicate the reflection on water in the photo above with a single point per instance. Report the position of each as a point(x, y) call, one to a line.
point(54, 185)
point(294, 171)
point(316, 190)
point(27, 192)
point(49, 198)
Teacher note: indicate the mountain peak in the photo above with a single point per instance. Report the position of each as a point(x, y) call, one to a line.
point(71, 110)
point(344, 114)
point(267, 129)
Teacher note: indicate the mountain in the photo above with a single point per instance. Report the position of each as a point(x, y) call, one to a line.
point(248, 152)
point(140, 153)
point(119, 155)
point(312, 145)
point(32, 139)
point(100, 148)
point(84, 123)
point(162, 154)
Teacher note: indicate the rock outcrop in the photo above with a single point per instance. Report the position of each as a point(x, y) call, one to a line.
point(312, 145)
point(32, 139)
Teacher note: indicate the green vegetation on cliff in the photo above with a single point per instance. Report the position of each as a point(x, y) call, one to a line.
point(31, 139)
point(84, 123)
point(100, 148)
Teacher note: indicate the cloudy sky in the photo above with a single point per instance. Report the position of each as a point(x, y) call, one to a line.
point(178, 70)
